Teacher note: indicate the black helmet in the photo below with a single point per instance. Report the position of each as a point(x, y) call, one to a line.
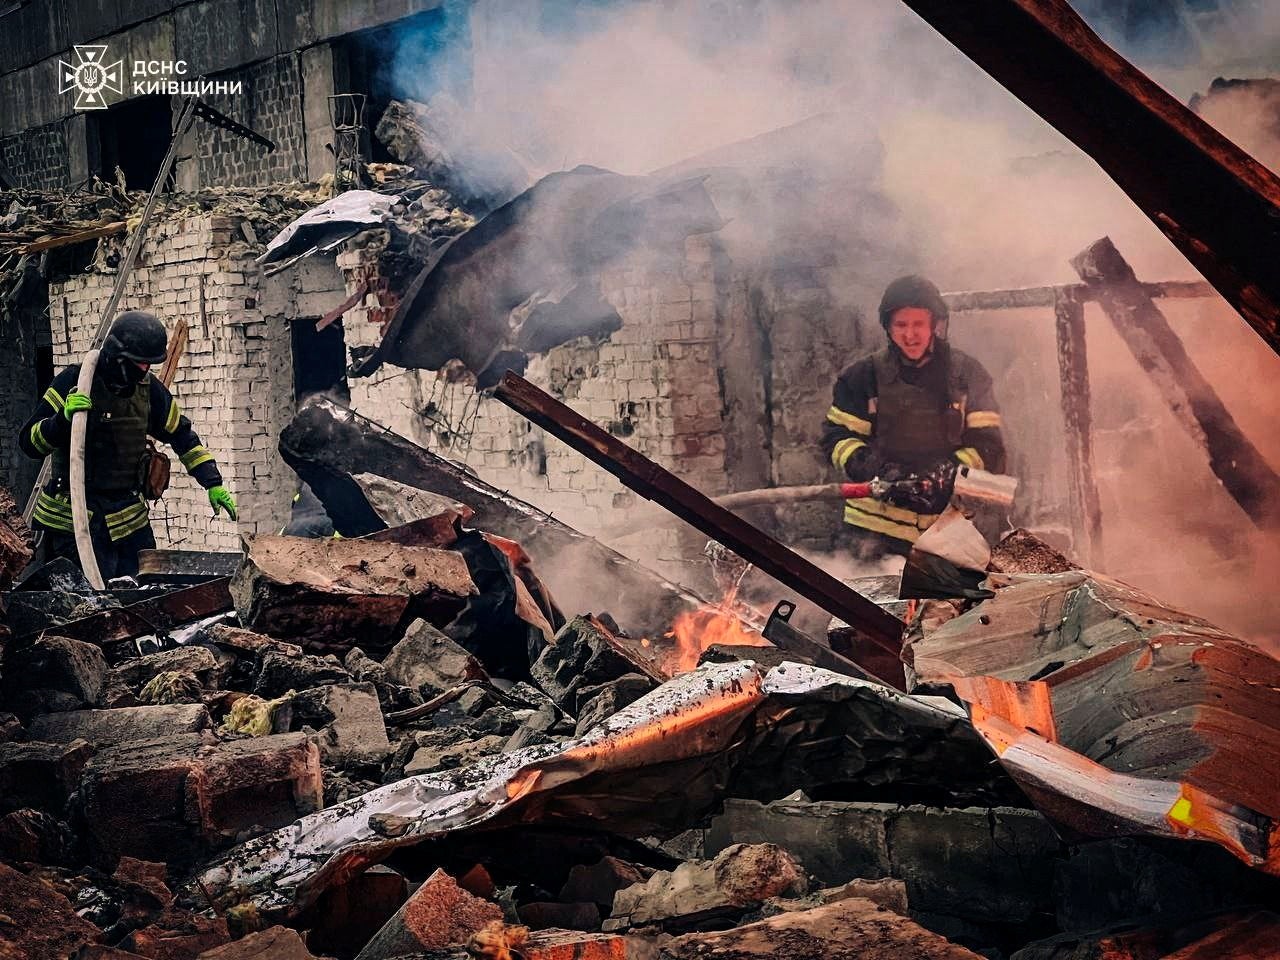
point(913, 291)
point(137, 336)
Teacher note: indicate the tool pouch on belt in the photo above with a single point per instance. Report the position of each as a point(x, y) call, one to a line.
point(153, 473)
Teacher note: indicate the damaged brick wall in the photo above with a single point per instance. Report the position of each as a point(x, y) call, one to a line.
point(270, 103)
point(235, 380)
point(37, 159)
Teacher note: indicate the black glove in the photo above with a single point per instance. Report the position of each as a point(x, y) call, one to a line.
point(927, 491)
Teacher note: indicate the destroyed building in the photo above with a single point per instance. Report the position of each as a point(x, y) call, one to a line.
point(515, 710)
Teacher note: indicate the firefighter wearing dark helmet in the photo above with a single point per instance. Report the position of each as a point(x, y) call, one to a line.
point(124, 407)
point(916, 407)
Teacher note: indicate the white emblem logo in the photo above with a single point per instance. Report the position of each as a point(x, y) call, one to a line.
point(90, 76)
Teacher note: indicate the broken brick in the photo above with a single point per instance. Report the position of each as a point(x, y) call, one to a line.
point(52, 672)
point(109, 728)
point(34, 836)
point(438, 914)
point(274, 943)
point(177, 799)
point(600, 881)
point(38, 923)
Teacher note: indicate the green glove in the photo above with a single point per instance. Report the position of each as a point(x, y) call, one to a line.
point(76, 401)
point(220, 498)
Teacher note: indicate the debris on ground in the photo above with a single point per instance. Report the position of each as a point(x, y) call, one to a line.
point(335, 752)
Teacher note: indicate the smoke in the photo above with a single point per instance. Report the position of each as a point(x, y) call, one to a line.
point(929, 165)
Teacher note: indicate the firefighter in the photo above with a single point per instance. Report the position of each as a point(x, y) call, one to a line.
point(124, 407)
point(916, 408)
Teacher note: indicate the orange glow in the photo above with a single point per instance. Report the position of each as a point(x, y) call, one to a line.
point(695, 630)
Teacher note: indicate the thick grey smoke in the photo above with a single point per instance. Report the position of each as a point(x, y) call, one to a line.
point(983, 193)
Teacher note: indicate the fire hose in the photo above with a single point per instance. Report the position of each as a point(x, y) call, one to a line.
point(968, 485)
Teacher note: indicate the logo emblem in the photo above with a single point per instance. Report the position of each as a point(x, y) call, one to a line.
point(90, 76)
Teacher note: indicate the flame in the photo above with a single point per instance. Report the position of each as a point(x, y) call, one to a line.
point(695, 630)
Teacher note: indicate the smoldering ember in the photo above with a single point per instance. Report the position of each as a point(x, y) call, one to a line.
point(543, 479)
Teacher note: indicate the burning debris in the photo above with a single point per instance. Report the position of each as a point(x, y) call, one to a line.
point(334, 752)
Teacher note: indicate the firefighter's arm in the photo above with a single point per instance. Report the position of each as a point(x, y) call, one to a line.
point(47, 429)
point(981, 442)
point(169, 425)
point(849, 424)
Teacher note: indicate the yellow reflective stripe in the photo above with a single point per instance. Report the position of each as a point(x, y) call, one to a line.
point(54, 399)
point(970, 457)
point(845, 449)
point(171, 421)
point(53, 504)
point(38, 441)
point(61, 524)
point(871, 505)
point(878, 524)
point(129, 520)
point(195, 456)
point(982, 418)
point(842, 418)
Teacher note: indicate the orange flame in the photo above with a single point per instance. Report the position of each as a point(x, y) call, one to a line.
point(695, 630)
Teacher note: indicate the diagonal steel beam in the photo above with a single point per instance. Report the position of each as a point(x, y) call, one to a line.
point(1217, 204)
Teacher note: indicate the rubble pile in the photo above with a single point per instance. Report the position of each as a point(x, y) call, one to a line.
point(399, 744)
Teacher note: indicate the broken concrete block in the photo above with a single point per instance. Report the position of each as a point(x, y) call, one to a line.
point(445, 750)
point(740, 876)
point(345, 917)
point(978, 864)
point(565, 916)
point(197, 660)
point(41, 774)
point(172, 686)
point(327, 593)
point(178, 799)
point(603, 701)
point(364, 669)
point(438, 914)
point(34, 836)
point(600, 881)
point(108, 728)
point(279, 673)
point(584, 654)
point(35, 673)
point(10, 727)
point(39, 923)
point(144, 881)
point(429, 662)
point(274, 943)
point(889, 893)
point(348, 717)
point(849, 928)
point(178, 935)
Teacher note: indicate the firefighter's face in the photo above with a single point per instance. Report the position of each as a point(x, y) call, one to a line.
point(911, 329)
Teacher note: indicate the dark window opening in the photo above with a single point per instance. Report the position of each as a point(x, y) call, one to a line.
point(134, 136)
point(319, 359)
point(411, 59)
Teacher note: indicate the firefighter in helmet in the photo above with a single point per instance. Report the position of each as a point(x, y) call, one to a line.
point(125, 406)
point(916, 408)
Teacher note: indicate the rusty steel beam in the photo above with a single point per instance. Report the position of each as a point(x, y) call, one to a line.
point(1077, 418)
point(1235, 461)
point(1217, 204)
point(652, 482)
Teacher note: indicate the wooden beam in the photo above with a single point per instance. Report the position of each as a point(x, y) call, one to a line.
point(1233, 458)
point(66, 239)
point(1021, 298)
point(652, 482)
point(1217, 204)
point(1077, 418)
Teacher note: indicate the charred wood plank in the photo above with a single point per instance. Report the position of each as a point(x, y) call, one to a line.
point(1021, 298)
point(1077, 418)
point(1233, 458)
point(1218, 205)
point(327, 445)
point(110, 628)
point(652, 482)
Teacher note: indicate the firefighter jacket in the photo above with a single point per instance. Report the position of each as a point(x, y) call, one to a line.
point(891, 419)
point(115, 448)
